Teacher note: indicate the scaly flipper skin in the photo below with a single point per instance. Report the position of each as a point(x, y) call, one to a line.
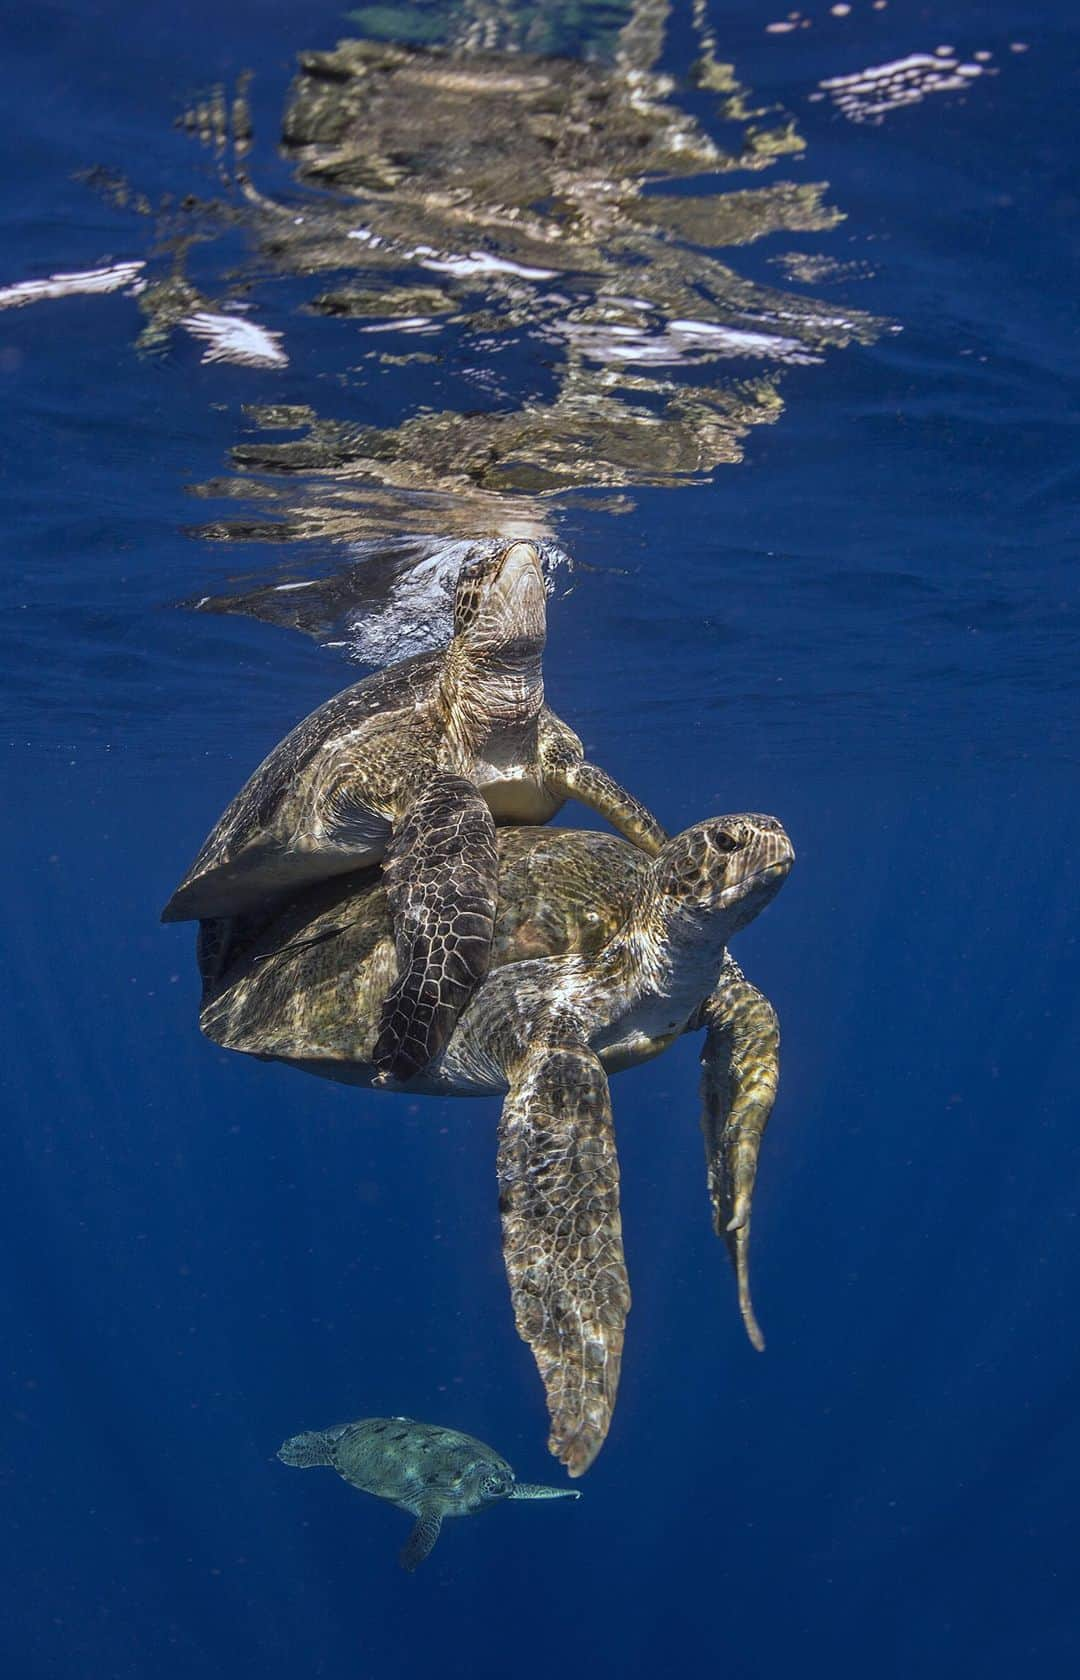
point(535, 1490)
point(569, 776)
point(562, 1236)
point(595, 788)
point(441, 877)
point(740, 1073)
point(423, 1537)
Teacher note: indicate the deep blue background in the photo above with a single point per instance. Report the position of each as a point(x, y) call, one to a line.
point(869, 627)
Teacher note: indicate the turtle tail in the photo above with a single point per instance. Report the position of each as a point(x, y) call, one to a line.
point(306, 1450)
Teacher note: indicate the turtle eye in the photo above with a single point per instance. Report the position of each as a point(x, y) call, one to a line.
point(725, 841)
point(495, 1487)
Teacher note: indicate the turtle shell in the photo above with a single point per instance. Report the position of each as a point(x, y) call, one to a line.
point(269, 838)
point(306, 981)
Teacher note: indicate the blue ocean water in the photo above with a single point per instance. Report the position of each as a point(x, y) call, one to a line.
point(868, 625)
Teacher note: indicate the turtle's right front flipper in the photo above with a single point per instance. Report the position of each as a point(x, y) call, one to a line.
point(441, 878)
point(562, 1236)
point(569, 776)
point(740, 1074)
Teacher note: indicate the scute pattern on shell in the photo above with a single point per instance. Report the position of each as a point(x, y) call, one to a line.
point(404, 1460)
point(256, 807)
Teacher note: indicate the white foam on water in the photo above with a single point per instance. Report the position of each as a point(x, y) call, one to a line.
point(480, 262)
point(870, 94)
point(70, 285)
point(404, 324)
point(680, 341)
point(417, 612)
point(232, 338)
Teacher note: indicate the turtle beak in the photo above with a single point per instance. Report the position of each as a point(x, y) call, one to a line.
point(521, 568)
point(749, 896)
point(519, 594)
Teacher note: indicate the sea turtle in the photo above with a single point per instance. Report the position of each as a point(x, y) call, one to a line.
point(413, 766)
point(419, 1467)
point(640, 956)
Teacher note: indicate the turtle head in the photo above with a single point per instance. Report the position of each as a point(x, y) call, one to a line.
point(500, 608)
point(489, 1480)
point(484, 1482)
point(496, 1482)
point(701, 888)
point(722, 872)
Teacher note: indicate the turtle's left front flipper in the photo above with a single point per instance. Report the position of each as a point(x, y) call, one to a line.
point(441, 877)
point(740, 1073)
point(530, 1490)
point(422, 1538)
point(562, 1235)
point(567, 774)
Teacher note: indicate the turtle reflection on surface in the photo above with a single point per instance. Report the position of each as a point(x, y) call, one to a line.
point(470, 197)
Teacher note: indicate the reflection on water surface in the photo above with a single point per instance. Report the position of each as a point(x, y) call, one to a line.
point(458, 201)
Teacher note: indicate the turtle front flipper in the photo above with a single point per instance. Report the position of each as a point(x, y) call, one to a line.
point(568, 776)
point(532, 1490)
point(740, 1074)
point(423, 1537)
point(441, 878)
point(562, 1236)
point(595, 788)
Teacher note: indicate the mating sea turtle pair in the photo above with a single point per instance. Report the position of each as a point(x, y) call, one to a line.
point(601, 957)
point(419, 1467)
point(412, 767)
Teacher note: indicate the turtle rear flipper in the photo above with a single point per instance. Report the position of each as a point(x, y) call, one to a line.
point(306, 1450)
point(562, 1235)
point(423, 1537)
point(740, 1073)
point(441, 877)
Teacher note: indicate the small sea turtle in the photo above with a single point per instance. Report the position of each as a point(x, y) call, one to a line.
point(641, 958)
point(413, 766)
point(419, 1467)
